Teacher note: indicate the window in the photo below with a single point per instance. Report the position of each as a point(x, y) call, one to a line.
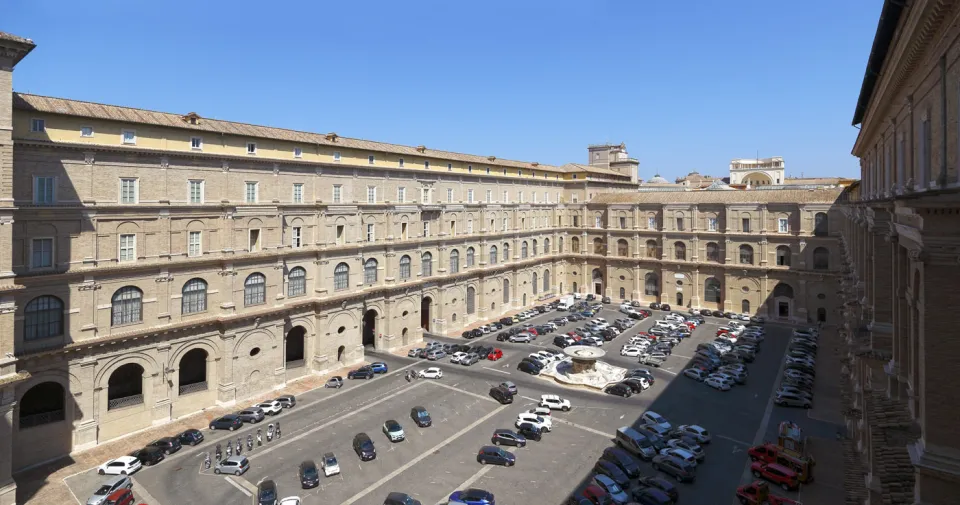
point(453, 228)
point(523, 250)
point(41, 253)
point(469, 196)
point(426, 228)
point(711, 224)
point(679, 223)
point(576, 221)
point(783, 225)
point(454, 261)
point(195, 191)
point(126, 306)
point(471, 300)
point(340, 229)
point(297, 152)
point(449, 167)
point(469, 169)
point(745, 224)
point(426, 264)
point(533, 247)
point(86, 131)
point(296, 237)
point(926, 142)
point(336, 156)
point(493, 255)
point(337, 193)
point(403, 231)
point(129, 136)
point(711, 290)
point(652, 249)
point(128, 247)
point(401, 194)
point(506, 252)
point(371, 228)
point(598, 222)
point(821, 259)
point(506, 289)
point(449, 195)
point(783, 256)
point(505, 225)
point(43, 318)
point(746, 255)
point(128, 190)
point(254, 242)
point(370, 271)
point(250, 194)
point(623, 293)
point(251, 148)
point(651, 284)
point(623, 248)
point(575, 244)
point(426, 165)
point(425, 196)
point(400, 162)
point(196, 143)
point(623, 223)
point(43, 190)
point(489, 196)
point(546, 246)
point(546, 197)
point(469, 226)
point(341, 277)
point(298, 193)
point(505, 197)
point(255, 290)
point(680, 251)
point(404, 267)
point(371, 194)
point(370, 159)
point(713, 252)
point(297, 282)
point(470, 257)
point(546, 280)
point(651, 222)
point(193, 297)
point(193, 244)
point(820, 224)
point(521, 195)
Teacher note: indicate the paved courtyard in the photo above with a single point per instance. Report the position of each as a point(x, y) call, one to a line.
point(433, 462)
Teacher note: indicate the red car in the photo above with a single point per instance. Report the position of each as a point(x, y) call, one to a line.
point(766, 453)
point(495, 355)
point(120, 497)
point(691, 326)
point(759, 493)
point(532, 331)
point(778, 474)
point(596, 495)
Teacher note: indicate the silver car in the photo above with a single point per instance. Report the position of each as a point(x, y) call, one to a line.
point(435, 355)
point(234, 465)
point(251, 415)
point(522, 337)
point(788, 399)
point(109, 486)
point(469, 359)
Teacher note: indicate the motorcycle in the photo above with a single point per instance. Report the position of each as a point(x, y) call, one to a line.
point(229, 450)
point(249, 443)
point(270, 432)
point(206, 461)
point(259, 437)
point(278, 430)
point(219, 453)
point(239, 447)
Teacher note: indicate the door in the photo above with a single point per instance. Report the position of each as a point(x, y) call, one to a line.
point(679, 299)
point(783, 309)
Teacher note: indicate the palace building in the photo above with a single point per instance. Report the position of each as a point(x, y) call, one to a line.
point(154, 264)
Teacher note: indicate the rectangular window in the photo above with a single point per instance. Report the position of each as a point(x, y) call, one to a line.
point(340, 234)
point(401, 194)
point(296, 237)
point(492, 225)
point(576, 221)
point(449, 195)
point(506, 198)
point(41, 253)
point(251, 148)
point(370, 160)
point(453, 228)
point(38, 125)
point(371, 237)
point(193, 244)
point(254, 240)
point(298, 193)
point(679, 224)
point(426, 228)
point(86, 131)
point(469, 169)
point(623, 223)
point(546, 197)
point(195, 191)
point(598, 222)
point(469, 196)
point(521, 196)
point(128, 247)
point(505, 226)
point(470, 226)
point(449, 167)
point(297, 152)
point(425, 196)
point(337, 193)
point(400, 162)
point(336, 156)
point(128, 191)
point(783, 225)
point(926, 142)
point(403, 231)
point(534, 193)
point(489, 196)
point(651, 223)
point(250, 196)
point(711, 224)
point(745, 224)
point(196, 143)
point(426, 164)
point(43, 190)
point(129, 136)
point(371, 194)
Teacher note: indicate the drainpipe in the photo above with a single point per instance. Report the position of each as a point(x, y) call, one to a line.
point(942, 178)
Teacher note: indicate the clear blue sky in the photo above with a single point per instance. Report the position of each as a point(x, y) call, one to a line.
point(687, 85)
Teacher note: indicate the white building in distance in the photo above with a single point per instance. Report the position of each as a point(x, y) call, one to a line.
point(757, 171)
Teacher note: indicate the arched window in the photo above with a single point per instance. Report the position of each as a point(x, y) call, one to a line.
point(370, 271)
point(680, 251)
point(652, 249)
point(821, 259)
point(454, 261)
point(193, 297)
point(426, 264)
point(651, 284)
point(546, 280)
point(533, 247)
point(820, 224)
point(471, 300)
point(506, 252)
point(255, 290)
point(534, 282)
point(598, 246)
point(42, 404)
point(575, 244)
point(711, 290)
point(546, 246)
point(297, 282)
point(43, 318)
point(523, 250)
point(560, 245)
point(746, 255)
point(404, 267)
point(126, 306)
point(493, 255)
point(470, 257)
point(506, 291)
point(623, 248)
point(713, 252)
point(745, 307)
point(783, 256)
point(783, 290)
point(341, 277)
point(623, 293)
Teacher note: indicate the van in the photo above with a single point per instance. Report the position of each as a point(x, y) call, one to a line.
point(635, 443)
point(501, 394)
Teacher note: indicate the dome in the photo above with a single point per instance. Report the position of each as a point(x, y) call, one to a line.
point(658, 180)
point(719, 185)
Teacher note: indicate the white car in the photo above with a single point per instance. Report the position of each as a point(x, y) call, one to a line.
point(596, 341)
point(271, 408)
point(683, 454)
point(545, 357)
point(541, 422)
point(457, 356)
point(431, 373)
point(651, 417)
point(631, 351)
point(486, 329)
point(539, 411)
point(727, 338)
point(330, 464)
point(695, 374)
point(554, 402)
point(716, 383)
point(124, 465)
point(290, 500)
point(797, 374)
point(724, 377)
point(696, 432)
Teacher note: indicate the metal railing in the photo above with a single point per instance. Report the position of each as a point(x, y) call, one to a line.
point(186, 389)
point(126, 401)
point(42, 418)
point(297, 363)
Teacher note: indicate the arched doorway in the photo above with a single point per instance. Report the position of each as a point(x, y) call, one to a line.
point(340, 353)
point(524, 299)
point(821, 315)
point(294, 346)
point(745, 307)
point(370, 328)
point(425, 303)
point(405, 336)
point(597, 281)
point(783, 294)
point(192, 372)
point(679, 299)
point(42, 404)
point(125, 387)
point(575, 288)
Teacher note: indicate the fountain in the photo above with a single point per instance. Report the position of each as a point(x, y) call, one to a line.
point(584, 368)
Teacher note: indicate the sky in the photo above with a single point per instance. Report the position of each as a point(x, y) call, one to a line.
point(686, 85)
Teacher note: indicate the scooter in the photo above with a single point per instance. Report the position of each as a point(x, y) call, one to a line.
point(259, 437)
point(278, 430)
point(239, 447)
point(206, 461)
point(229, 450)
point(249, 443)
point(219, 453)
point(270, 432)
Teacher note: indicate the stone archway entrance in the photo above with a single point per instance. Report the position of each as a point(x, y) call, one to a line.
point(679, 299)
point(370, 328)
point(821, 315)
point(294, 347)
point(425, 304)
point(192, 373)
point(340, 354)
point(597, 281)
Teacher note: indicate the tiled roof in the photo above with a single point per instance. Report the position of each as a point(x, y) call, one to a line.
point(140, 116)
point(785, 196)
point(811, 180)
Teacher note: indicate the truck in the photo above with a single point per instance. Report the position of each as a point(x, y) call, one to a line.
point(565, 302)
point(758, 493)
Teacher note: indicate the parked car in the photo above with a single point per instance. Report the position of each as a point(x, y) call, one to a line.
point(228, 422)
point(619, 389)
point(624, 461)
point(190, 437)
point(287, 401)
point(120, 497)
point(364, 447)
point(393, 431)
point(251, 415)
point(496, 456)
point(335, 382)
point(168, 445)
point(508, 437)
point(471, 496)
point(309, 474)
point(654, 482)
point(267, 492)
point(234, 465)
point(361, 373)
point(776, 473)
point(379, 367)
point(421, 417)
point(495, 354)
point(674, 467)
point(108, 487)
point(330, 464)
point(528, 367)
point(271, 407)
point(430, 373)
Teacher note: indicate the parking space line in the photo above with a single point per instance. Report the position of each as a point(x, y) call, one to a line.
point(421, 457)
point(668, 371)
point(437, 383)
point(243, 489)
point(582, 427)
point(475, 477)
point(740, 442)
point(679, 356)
point(495, 370)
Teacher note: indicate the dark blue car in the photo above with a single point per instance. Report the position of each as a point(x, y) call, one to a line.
point(379, 367)
point(472, 496)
